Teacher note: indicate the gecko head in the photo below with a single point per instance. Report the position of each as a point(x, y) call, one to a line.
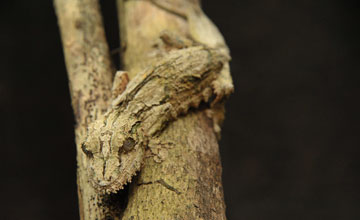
point(111, 159)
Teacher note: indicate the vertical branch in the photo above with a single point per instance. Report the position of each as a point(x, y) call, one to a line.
point(90, 76)
point(140, 25)
point(182, 177)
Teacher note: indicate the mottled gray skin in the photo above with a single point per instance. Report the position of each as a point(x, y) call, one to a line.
point(115, 145)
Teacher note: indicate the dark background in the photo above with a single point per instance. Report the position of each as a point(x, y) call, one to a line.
point(290, 145)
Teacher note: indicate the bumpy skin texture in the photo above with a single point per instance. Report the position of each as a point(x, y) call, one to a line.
point(116, 142)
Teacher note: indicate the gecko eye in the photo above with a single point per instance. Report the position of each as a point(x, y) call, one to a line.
point(88, 153)
point(128, 144)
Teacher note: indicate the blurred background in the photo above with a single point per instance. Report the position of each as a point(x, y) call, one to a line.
point(290, 143)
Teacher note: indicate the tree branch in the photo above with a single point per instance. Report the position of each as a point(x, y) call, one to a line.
point(181, 176)
point(186, 155)
point(90, 75)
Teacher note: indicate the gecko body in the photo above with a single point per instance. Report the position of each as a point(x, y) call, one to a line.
point(116, 142)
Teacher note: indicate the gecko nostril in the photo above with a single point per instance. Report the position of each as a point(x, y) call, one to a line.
point(128, 144)
point(88, 153)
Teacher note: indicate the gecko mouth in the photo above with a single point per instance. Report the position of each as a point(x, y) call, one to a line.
point(111, 185)
point(108, 186)
point(104, 183)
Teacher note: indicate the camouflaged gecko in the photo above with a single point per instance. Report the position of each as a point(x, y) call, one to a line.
point(116, 142)
point(197, 72)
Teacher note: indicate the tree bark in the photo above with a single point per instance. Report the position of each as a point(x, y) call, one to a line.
point(187, 183)
point(181, 174)
point(90, 74)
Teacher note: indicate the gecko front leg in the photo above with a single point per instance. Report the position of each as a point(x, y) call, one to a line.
point(121, 79)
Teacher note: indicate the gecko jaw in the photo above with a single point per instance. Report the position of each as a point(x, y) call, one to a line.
point(104, 183)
